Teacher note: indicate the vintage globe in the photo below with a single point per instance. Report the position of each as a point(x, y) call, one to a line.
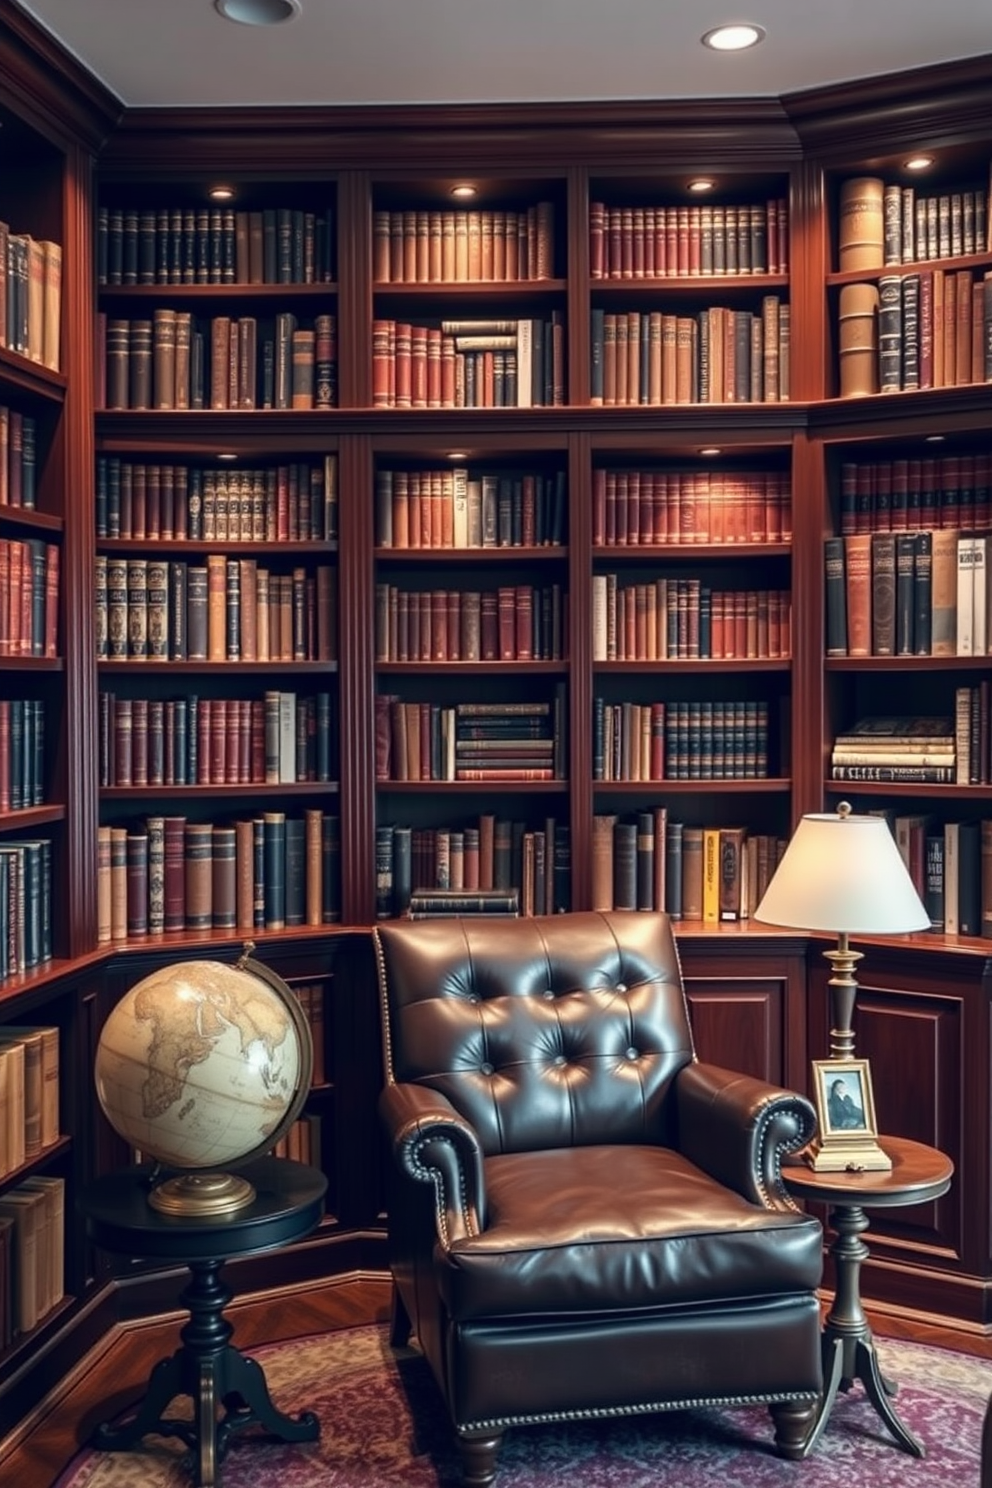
point(203, 1067)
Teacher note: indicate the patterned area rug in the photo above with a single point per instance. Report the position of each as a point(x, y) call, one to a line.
point(382, 1423)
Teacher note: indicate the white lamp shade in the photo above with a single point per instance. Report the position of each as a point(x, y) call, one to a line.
point(843, 874)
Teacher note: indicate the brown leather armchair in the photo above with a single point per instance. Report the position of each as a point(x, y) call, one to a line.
point(584, 1220)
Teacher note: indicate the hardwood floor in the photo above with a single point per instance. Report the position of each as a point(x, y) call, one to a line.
point(114, 1375)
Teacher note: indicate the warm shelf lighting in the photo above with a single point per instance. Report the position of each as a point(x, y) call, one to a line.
point(918, 162)
point(702, 183)
point(457, 455)
point(935, 439)
point(464, 190)
point(221, 193)
point(733, 38)
point(226, 455)
point(709, 450)
point(258, 12)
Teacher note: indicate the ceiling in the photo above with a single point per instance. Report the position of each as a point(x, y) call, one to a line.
point(182, 53)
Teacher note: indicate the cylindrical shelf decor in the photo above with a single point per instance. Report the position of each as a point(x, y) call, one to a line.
point(858, 340)
point(862, 223)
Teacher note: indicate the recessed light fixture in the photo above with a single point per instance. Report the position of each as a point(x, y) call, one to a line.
point(935, 439)
point(736, 37)
point(221, 193)
point(465, 190)
point(702, 183)
point(226, 455)
point(918, 162)
point(457, 455)
point(709, 450)
point(258, 12)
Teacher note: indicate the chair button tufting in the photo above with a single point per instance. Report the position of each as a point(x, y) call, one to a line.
point(548, 994)
point(621, 986)
point(631, 1053)
point(559, 1059)
point(486, 1068)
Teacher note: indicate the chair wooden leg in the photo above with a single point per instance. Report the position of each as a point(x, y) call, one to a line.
point(792, 1419)
point(479, 1456)
point(400, 1327)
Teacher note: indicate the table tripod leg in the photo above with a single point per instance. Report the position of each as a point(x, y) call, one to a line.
point(246, 1390)
point(206, 1410)
point(879, 1394)
point(833, 1352)
point(165, 1383)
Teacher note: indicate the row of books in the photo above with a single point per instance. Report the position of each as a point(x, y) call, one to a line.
point(649, 861)
point(22, 753)
point(293, 502)
point(469, 363)
point(31, 296)
point(685, 619)
point(893, 747)
point(973, 733)
point(950, 864)
point(720, 355)
point(171, 361)
point(29, 597)
point(514, 622)
point(279, 738)
point(25, 904)
point(464, 508)
point(463, 246)
point(18, 456)
point(214, 245)
point(32, 1253)
point(266, 872)
point(910, 331)
point(884, 222)
point(302, 1143)
point(680, 740)
point(485, 742)
point(656, 242)
point(908, 594)
point(641, 508)
point(911, 492)
point(224, 609)
point(490, 855)
point(29, 1093)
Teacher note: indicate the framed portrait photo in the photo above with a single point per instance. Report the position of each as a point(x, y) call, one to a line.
point(845, 1110)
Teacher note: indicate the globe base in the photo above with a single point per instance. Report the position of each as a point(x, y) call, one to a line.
point(202, 1195)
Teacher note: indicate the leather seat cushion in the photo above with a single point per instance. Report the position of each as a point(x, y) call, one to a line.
point(587, 1230)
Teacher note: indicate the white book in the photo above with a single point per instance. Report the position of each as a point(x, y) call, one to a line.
point(965, 621)
point(525, 363)
point(962, 735)
point(952, 862)
point(979, 598)
point(459, 506)
point(287, 738)
point(599, 627)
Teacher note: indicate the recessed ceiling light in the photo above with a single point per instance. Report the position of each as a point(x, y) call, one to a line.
point(258, 12)
point(464, 190)
point(935, 439)
point(702, 183)
point(221, 193)
point(226, 455)
point(709, 450)
point(457, 455)
point(736, 37)
point(919, 162)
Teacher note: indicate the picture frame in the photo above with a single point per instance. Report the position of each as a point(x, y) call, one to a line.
point(847, 1139)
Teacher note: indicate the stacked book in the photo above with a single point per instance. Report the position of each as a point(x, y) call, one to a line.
point(908, 749)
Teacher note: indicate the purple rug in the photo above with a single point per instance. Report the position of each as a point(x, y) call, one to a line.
point(382, 1423)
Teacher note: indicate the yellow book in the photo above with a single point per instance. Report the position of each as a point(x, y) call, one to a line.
point(711, 874)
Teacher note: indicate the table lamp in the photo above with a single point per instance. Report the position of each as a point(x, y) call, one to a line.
point(843, 874)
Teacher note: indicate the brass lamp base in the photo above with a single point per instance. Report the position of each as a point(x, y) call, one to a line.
point(842, 1155)
point(202, 1195)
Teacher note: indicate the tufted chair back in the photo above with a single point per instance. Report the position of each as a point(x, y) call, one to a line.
point(556, 1034)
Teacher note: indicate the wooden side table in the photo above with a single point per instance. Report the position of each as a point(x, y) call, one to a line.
point(919, 1174)
point(288, 1203)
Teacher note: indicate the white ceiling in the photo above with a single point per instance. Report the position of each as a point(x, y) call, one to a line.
point(180, 52)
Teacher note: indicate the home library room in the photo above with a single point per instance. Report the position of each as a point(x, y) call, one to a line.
point(446, 621)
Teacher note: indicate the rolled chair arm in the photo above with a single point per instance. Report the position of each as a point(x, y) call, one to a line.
point(738, 1129)
point(434, 1144)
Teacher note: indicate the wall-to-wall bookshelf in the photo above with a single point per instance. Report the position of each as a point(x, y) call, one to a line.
point(550, 485)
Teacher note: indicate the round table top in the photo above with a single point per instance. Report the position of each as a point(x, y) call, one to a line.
point(288, 1203)
point(919, 1174)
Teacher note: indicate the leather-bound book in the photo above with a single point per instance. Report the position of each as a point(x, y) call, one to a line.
point(224, 907)
point(861, 223)
point(199, 875)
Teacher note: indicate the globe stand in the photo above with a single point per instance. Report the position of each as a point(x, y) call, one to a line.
point(212, 1372)
point(201, 1195)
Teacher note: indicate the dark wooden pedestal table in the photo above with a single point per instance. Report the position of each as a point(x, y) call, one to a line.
point(919, 1174)
point(288, 1203)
